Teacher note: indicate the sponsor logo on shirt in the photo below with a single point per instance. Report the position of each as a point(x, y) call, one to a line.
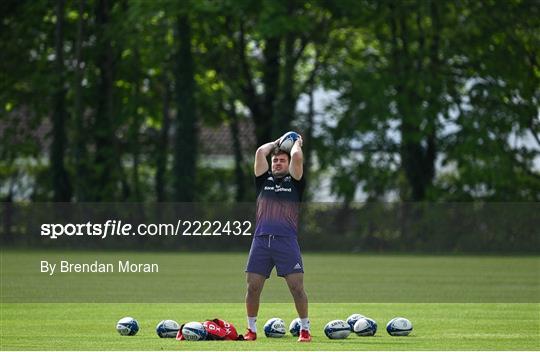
point(277, 189)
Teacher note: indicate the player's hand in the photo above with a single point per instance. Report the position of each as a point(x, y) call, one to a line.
point(300, 141)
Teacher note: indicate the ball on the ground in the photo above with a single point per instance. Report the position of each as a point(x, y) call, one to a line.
point(167, 328)
point(337, 329)
point(287, 141)
point(294, 327)
point(274, 327)
point(352, 319)
point(194, 331)
point(127, 326)
point(365, 327)
point(399, 327)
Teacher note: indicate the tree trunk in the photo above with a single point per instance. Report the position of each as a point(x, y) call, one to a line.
point(135, 128)
point(240, 177)
point(60, 179)
point(185, 153)
point(107, 159)
point(265, 121)
point(80, 153)
point(285, 112)
point(308, 139)
point(417, 150)
point(163, 143)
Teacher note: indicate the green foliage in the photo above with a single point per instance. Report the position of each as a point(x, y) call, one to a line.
point(433, 100)
point(419, 81)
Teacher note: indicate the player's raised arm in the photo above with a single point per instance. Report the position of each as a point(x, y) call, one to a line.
point(296, 167)
point(261, 164)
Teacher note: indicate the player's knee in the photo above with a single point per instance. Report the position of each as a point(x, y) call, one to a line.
point(297, 289)
point(254, 288)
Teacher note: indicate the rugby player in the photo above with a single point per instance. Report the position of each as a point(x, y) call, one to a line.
point(279, 193)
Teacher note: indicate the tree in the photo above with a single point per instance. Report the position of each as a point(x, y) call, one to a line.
point(185, 153)
point(61, 183)
point(412, 79)
point(106, 167)
point(497, 68)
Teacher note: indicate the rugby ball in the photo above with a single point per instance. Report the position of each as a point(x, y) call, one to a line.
point(337, 329)
point(287, 141)
point(294, 327)
point(127, 326)
point(352, 319)
point(194, 331)
point(274, 327)
point(399, 327)
point(365, 327)
point(167, 328)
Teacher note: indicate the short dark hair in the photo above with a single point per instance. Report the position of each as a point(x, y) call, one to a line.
point(277, 151)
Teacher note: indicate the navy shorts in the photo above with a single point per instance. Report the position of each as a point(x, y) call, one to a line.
point(268, 251)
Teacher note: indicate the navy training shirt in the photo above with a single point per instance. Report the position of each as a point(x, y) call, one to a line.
point(278, 204)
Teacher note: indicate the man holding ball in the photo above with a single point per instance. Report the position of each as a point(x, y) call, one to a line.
point(279, 193)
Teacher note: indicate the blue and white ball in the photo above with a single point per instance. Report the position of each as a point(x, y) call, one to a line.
point(167, 328)
point(294, 327)
point(127, 326)
point(337, 329)
point(194, 331)
point(365, 327)
point(286, 141)
point(274, 327)
point(399, 327)
point(352, 319)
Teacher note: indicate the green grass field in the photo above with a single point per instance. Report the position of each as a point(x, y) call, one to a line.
point(454, 302)
point(436, 326)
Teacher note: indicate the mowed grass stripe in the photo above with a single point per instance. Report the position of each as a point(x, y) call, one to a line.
point(56, 326)
point(194, 277)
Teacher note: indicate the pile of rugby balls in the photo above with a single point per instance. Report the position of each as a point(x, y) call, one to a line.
point(129, 326)
point(364, 326)
point(275, 327)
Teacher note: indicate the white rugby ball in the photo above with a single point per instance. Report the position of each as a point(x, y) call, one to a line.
point(352, 319)
point(287, 141)
point(337, 329)
point(365, 327)
point(167, 328)
point(274, 327)
point(294, 327)
point(194, 331)
point(399, 327)
point(127, 326)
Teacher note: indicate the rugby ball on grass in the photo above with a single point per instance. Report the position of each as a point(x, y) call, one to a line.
point(399, 327)
point(365, 327)
point(127, 326)
point(337, 329)
point(294, 327)
point(194, 331)
point(167, 328)
point(274, 327)
point(352, 319)
point(287, 141)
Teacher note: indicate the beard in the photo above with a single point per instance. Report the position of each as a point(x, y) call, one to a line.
point(280, 174)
